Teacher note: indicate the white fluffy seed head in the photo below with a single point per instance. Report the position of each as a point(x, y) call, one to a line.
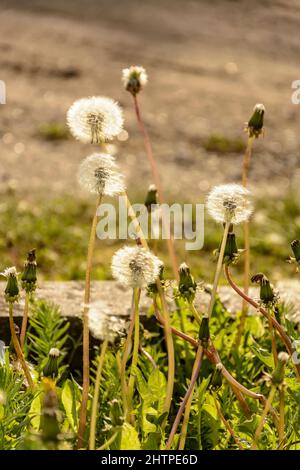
point(12, 271)
point(259, 107)
point(54, 352)
point(105, 327)
point(229, 203)
point(283, 357)
point(135, 267)
point(134, 78)
point(99, 174)
point(95, 120)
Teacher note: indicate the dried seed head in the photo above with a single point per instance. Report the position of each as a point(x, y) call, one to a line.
point(255, 124)
point(95, 120)
point(135, 267)
point(99, 174)
point(134, 79)
point(105, 327)
point(229, 203)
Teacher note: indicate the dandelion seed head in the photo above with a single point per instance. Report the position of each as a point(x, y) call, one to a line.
point(135, 267)
point(259, 107)
point(95, 120)
point(99, 174)
point(54, 352)
point(10, 272)
point(283, 357)
point(134, 78)
point(229, 203)
point(105, 327)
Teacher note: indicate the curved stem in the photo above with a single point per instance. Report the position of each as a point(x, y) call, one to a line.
point(109, 441)
point(195, 374)
point(96, 395)
point(18, 349)
point(148, 356)
point(156, 177)
point(86, 339)
point(135, 352)
point(24, 320)
point(218, 270)
point(285, 338)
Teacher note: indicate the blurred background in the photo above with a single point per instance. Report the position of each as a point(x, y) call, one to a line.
point(208, 61)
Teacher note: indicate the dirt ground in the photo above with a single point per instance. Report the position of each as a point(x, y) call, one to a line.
point(208, 62)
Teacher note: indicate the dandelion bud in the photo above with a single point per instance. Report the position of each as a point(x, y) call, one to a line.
point(187, 286)
point(51, 366)
point(278, 374)
point(204, 332)
point(99, 174)
point(295, 245)
point(28, 277)
point(267, 295)
point(256, 122)
point(11, 293)
point(231, 252)
point(216, 379)
point(229, 203)
point(135, 267)
point(49, 421)
point(95, 120)
point(151, 198)
point(134, 79)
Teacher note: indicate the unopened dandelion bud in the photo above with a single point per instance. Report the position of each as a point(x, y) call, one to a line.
point(256, 122)
point(229, 203)
point(204, 332)
point(295, 245)
point(11, 293)
point(278, 374)
point(28, 276)
point(151, 198)
point(231, 250)
point(134, 79)
point(216, 379)
point(267, 294)
point(187, 286)
point(95, 120)
point(51, 367)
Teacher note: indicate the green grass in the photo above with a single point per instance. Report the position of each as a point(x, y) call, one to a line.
point(59, 228)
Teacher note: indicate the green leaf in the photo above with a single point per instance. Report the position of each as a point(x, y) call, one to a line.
point(129, 438)
point(35, 412)
point(263, 355)
point(69, 401)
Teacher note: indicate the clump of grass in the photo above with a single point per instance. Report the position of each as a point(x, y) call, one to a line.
point(222, 144)
point(53, 131)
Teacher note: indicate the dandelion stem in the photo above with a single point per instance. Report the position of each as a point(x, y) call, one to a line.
point(285, 338)
point(109, 441)
point(24, 321)
point(281, 416)
point(263, 417)
point(18, 349)
point(246, 162)
point(126, 353)
point(157, 181)
point(86, 341)
point(195, 374)
point(101, 358)
point(218, 270)
point(135, 352)
point(148, 356)
point(273, 337)
point(195, 312)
